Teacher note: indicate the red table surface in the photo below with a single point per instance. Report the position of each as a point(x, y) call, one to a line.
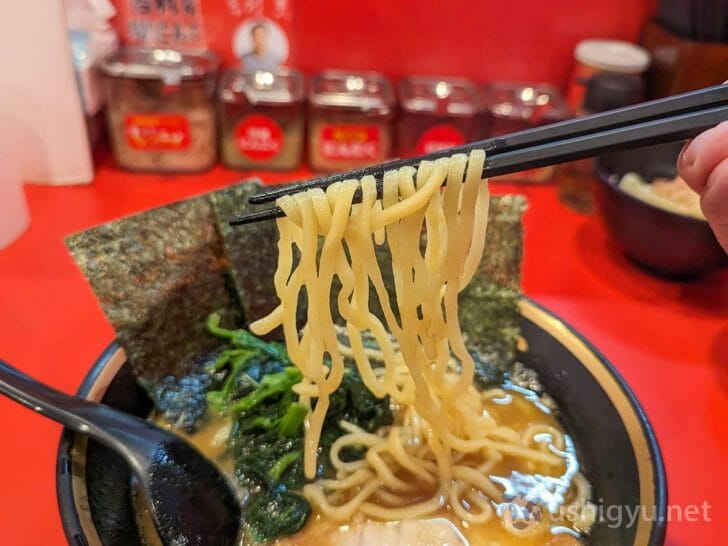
point(668, 339)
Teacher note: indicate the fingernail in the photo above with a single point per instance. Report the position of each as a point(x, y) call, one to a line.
point(687, 155)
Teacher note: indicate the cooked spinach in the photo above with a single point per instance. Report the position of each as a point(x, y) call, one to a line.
point(354, 403)
point(243, 339)
point(290, 425)
point(272, 516)
point(253, 382)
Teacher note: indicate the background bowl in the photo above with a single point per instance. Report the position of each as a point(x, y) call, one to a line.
point(612, 434)
point(666, 243)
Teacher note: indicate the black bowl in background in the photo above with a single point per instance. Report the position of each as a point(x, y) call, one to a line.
point(666, 243)
point(618, 448)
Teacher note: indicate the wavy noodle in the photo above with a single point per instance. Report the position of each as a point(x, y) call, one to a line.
point(444, 442)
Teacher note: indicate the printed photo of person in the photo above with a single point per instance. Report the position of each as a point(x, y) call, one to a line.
point(260, 44)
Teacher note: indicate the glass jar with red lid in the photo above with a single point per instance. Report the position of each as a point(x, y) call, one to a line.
point(350, 120)
point(437, 113)
point(262, 117)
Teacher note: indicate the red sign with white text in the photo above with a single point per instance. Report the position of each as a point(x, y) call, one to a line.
point(259, 137)
point(350, 142)
point(439, 137)
point(157, 131)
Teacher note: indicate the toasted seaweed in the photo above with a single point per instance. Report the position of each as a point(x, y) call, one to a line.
point(160, 273)
point(157, 275)
point(251, 249)
point(488, 307)
point(489, 314)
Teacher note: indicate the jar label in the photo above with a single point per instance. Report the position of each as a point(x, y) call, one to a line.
point(439, 137)
point(350, 142)
point(259, 137)
point(157, 131)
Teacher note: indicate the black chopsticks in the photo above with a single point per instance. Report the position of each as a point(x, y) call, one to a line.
point(664, 120)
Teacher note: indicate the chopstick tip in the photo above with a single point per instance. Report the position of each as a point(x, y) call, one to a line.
point(258, 216)
point(259, 198)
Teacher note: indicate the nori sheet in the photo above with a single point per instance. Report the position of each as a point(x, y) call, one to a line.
point(157, 275)
point(489, 314)
point(252, 249)
point(488, 307)
point(160, 273)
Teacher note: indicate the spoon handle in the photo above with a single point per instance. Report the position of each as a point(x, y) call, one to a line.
point(117, 430)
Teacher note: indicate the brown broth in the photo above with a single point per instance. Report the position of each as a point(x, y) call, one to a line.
point(517, 412)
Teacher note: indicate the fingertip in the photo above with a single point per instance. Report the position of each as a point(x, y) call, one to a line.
point(714, 199)
point(685, 163)
point(681, 159)
point(701, 155)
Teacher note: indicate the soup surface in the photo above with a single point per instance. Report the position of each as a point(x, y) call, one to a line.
point(512, 404)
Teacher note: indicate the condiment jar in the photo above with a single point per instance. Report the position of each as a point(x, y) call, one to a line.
point(160, 113)
point(437, 113)
point(608, 91)
point(262, 119)
point(350, 120)
point(595, 56)
point(509, 107)
point(605, 91)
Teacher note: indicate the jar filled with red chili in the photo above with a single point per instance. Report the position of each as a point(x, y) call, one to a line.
point(350, 121)
point(262, 119)
point(437, 113)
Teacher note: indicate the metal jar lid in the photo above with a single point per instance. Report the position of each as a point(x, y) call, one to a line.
point(169, 65)
point(269, 88)
point(524, 101)
point(439, 95)
point(366, 91)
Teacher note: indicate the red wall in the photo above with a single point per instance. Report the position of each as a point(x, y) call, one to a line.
point(480, 39)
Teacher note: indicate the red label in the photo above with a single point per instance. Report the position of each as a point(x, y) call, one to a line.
point(157, 131)
point(350, 142)
point(438, 137)
point(259, 137)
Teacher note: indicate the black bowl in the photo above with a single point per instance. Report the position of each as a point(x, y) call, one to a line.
point(664, 242)
point(620, 455)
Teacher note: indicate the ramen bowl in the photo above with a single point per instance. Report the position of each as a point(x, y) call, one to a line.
point(611, 432)
point(664, 242)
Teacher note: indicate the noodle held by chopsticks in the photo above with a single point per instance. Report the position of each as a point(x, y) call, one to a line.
point(444, 439)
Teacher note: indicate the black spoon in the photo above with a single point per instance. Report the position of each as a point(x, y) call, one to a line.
point(190, 501)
